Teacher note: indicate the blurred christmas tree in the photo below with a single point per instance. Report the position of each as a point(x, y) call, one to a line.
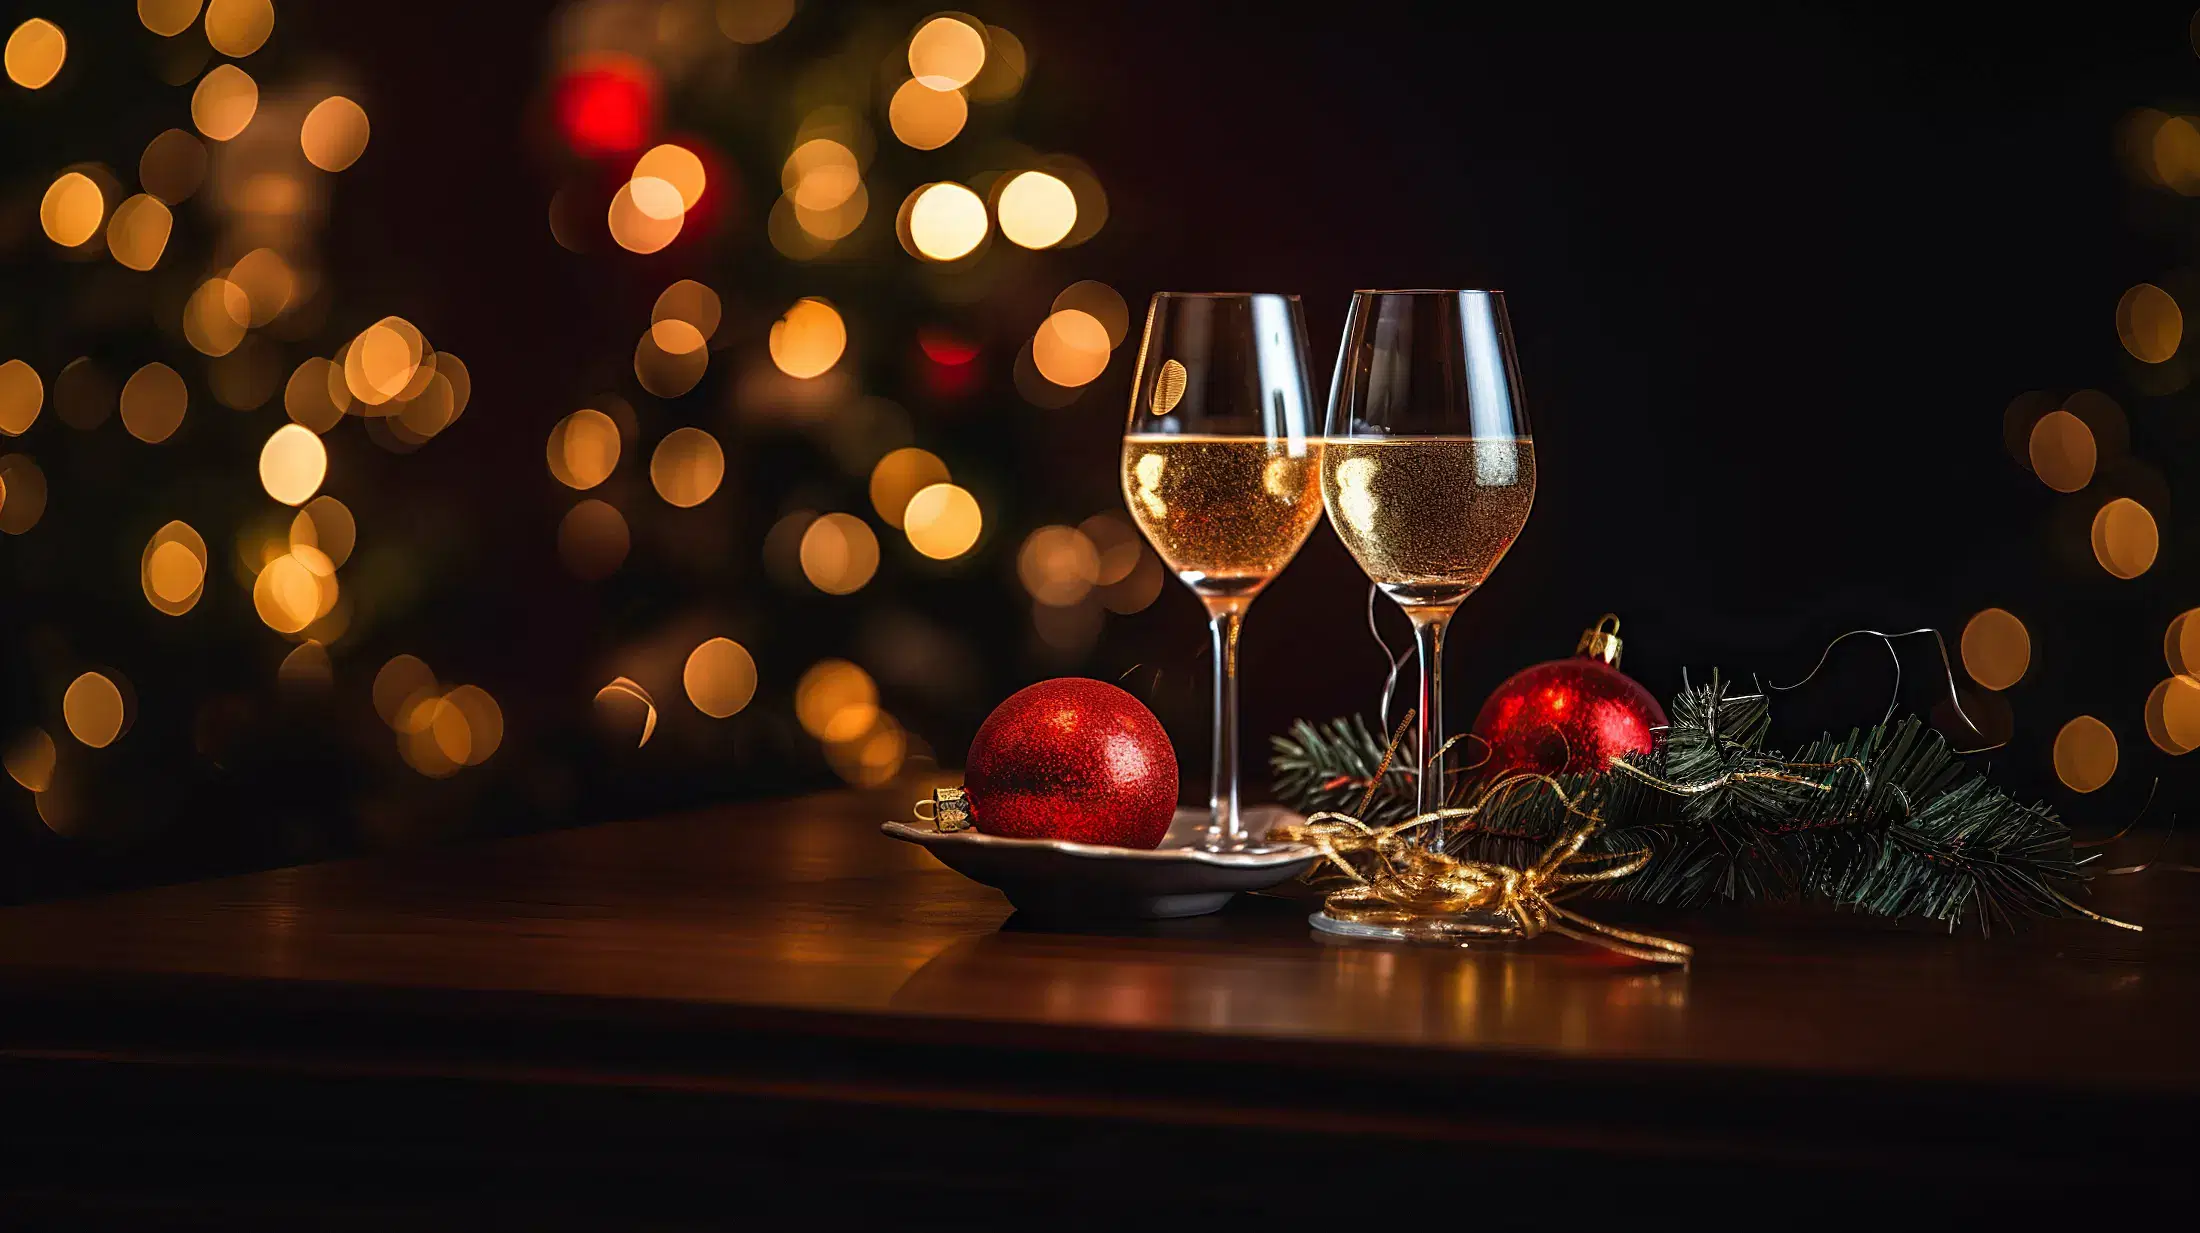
point(849, 285)
point(809, 500)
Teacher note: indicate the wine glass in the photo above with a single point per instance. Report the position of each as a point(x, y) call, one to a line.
point(1428, 469)
point(1221, 472)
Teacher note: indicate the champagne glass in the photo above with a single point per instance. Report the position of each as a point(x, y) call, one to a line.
point(1428, 469)
point(1221, 472)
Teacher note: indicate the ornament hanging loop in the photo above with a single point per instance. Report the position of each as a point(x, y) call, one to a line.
point(1597, 642)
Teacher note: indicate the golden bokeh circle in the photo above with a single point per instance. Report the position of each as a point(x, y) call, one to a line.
point(720, 677)
point(2125, 538)
point(687, 467)
point(1036, 210)
point(2085, 754)
point(1996, 648)
point(943, 521)
point(334, 133)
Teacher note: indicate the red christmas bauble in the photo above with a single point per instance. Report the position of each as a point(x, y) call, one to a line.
point(1072, 759)
point(1568, 716)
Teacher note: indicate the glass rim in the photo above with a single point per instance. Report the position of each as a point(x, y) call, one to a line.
point(1428, 291)
point(1225, 295)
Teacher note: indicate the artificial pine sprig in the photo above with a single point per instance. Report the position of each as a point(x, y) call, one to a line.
point(1887, 820)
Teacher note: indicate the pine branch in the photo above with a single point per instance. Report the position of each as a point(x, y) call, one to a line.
point(1886, 820)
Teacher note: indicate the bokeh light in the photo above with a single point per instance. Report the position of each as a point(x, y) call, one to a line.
point(1070, 348)
point(670, 358)
point(2149, 323)
point(1005, 64)
point(1058, 565)
point(900, 475)
point(687, 467)
point(924, 118)
point(1138, 589)
point(835, 700)
point(224, 102)
point(584, 449)
point(326, 525)
point(168, 18)
point(942, 521)
point(35, 53)
point(2085, 754)
point(1996, 648)
point(216, 316)
point(237, 28)
point(1100, 302)
point(383, 362)
point(625, 709)
point(808, 339)
point(30, 760)
point(335, 133)
point(94, 709)
point(676, 167)
point(720, 677)
point(753, 21)
point(635, 228)
point(1115, 544)
point(400, 685)
point(606, 106)
point(2173, 715)
point(316, 395)
point(689, 301)
point(838, 554)
point(172, 572)
point(138, 232)
point(944, 221)
point(1036, 210)
point(83, 395)
point(268, 283)
point(2063, 451)
point(293, 463)
point(307, 669)
point(22, 395)
point(820, 173)
point(467, 725)
point(2181, 643)
point(22, 494)
point(71, 209)
point(946, 53)
point(593, 540)
point(2125, 538)
point(289, 593)
point(873, 757)
point(153, 403)
point(173, 166)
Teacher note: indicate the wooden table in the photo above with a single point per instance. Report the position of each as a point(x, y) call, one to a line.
point(676, 1022)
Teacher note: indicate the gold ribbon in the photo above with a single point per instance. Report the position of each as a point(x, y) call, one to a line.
point(1399, 884)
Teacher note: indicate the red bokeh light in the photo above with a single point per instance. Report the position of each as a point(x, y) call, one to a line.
point(606, 107)
point(949, 368)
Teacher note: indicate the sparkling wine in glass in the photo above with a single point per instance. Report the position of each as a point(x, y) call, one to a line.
point(1428, 468)
point(1222, 472)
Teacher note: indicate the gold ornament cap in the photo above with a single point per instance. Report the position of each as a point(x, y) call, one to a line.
point(1597, 642)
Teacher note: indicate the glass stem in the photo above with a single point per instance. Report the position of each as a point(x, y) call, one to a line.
point(1428, 635)
point(1224, 830)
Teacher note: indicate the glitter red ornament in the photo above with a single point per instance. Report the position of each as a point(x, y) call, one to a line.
point(1073, 759)
point(1568, 716)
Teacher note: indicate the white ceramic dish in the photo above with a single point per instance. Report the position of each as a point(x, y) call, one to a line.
point(1053, 878)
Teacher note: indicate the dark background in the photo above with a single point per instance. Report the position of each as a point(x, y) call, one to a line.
point(1775, 274)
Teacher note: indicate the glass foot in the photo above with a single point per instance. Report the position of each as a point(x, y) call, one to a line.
point(1498, 928)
